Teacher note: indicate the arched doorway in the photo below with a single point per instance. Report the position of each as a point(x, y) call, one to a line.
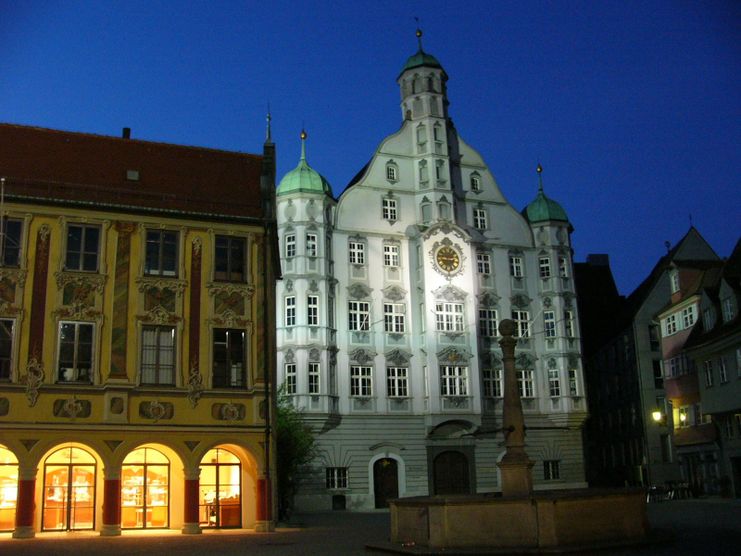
point(385, 481)
point(451, 473)
point(69, 491)
point(8, 488)
point(145, 489)
point(220, 496)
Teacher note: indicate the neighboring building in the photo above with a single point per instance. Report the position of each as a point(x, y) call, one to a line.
point(710, 453)
point(388, 315)
point(624, 372)
point(136, 334)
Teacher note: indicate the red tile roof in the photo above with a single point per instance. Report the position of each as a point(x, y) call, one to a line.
point(60, 166)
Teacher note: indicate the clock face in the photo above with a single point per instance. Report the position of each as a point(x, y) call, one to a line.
point(447, 259)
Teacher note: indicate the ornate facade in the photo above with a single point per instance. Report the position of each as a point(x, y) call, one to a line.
point(388, 313)
point(135, 360)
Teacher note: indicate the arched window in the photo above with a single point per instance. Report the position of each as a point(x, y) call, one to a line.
point(69, 491)
point(8, 488)
point(145, 489)
point(220, 496)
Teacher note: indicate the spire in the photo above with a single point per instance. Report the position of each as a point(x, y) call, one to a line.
point(419, 34)
point(539, 169)
point(303, 144)
point(268, 132)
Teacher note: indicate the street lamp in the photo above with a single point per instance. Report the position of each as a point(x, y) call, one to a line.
point(658, 416)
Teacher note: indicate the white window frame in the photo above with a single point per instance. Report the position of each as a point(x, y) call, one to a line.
point(314, 375)
point(574, 390)
point(389, 209)
point(361, 381)
point(674, 281)
point(483, 263)
point(397, 382)
point(7, 362)
point(516, 268)
point(312, 245)
point(549, 324)
point(392, 172)
point(290, 245)
point(522, 323)
point(82, 252)
point(569, 323)
point(290, 379)
point(453, 380)
point(336, 478)
point(727, 309)
point(563, 267)
point(162, 247)
point(544, 267)
point(160, 375)
point(554, 383)
point(480, 219)
point(475, 183)
point(290, 311)
point(312, 310)
point(394, 318)
point(391, 257)
point(526, 383)
point(488, 322)
point(688, 317)
point(449, 317)
point(670, 325)
point(356, 252)
point(492, 383)
point(358, 316)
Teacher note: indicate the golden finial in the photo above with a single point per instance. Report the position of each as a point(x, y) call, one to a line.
point(539, 169)
point(303, 134)
point(418, 34)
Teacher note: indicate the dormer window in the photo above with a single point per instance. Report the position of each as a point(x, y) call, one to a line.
point(674, 281)
point(475, 182)
point(392, 171)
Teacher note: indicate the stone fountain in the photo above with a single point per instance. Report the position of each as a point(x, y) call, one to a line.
point(520, 519)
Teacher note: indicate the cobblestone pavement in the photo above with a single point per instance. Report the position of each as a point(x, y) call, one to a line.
point(703, 527)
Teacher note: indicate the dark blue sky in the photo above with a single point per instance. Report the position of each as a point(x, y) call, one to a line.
point(633, 108)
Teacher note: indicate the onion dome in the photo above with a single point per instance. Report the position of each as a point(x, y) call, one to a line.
point(421, 58)
point(544, 209)
point(303, 178)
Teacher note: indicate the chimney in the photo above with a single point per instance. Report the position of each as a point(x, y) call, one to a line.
point(126, 134)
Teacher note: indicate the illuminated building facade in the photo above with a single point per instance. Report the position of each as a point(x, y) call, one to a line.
point(136, 334)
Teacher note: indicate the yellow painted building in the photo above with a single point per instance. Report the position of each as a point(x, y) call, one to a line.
point(136, 334)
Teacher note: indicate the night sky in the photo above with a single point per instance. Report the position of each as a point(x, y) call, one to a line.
point(632, 108)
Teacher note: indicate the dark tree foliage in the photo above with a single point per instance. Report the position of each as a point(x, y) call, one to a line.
point(296, 447)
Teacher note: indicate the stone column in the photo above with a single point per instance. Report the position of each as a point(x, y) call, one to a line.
point(25, 510)
point(191, 524)
point(111, 504)
point(516, 466)
point(264, 521)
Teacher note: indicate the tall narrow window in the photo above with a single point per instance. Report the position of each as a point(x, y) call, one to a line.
point(158, 355)
point(708, 366)
point(727, 309)
point(392, 172)
point(449, 317)
point(423, 173)
point(554, 383)
point(290, 313)
point(515, 266)
point(569, 323)
point(361, 381)
point(393, 317)
point(390, 255)
point(314, 376)
point(475, 183)
point(688, 317)
point(229, 358)
point(563, 267)
point(479, 219)
point(162, 251)
point(290, 380)
point(229, 263)
point(549, 324)
point(83, 244)
point(544, 265)
point(312, 310)
point(389, 209)
point(358, 315)
point(492, 383)
point(397, 382)
point(526, 383)
point(674, 281)
point(488, 323)
point(311, 245)
point(573, 383)
point(522, 323)
point(10, 243)
point(483, 263)
point(551, 470)
point(670, 325)
point(290, 243)
point(6, 347)
point(356, 252)
point(453, 380)
point(75, 352)
point(722, 371)
point(145, 475)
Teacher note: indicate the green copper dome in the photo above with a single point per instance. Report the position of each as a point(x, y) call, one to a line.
point(421, 58)
point(303, 178)
point(543, 209)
